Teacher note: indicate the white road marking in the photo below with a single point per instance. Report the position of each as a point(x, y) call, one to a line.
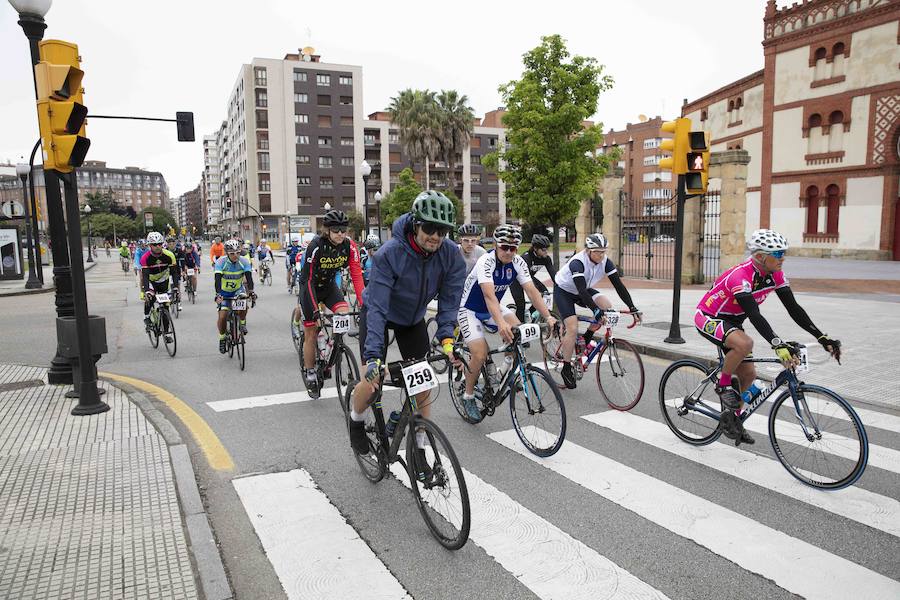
point(270, 400)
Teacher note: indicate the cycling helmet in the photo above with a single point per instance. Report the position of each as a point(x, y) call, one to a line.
point(766, 240)
point(142, 242)
point(336, 218)
point(508, 234)
point(596, 241)
point(295, 240)
point(154, 237)
point(232, 246)
point(540, 241)
point(372, 244)
point(468, 230)
point(124, 244)
point(434, 207)
point(373, 238)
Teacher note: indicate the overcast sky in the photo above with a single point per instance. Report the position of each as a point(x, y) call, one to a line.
point(154, 58)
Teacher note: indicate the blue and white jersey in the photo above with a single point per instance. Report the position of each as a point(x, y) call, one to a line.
point(486, 269)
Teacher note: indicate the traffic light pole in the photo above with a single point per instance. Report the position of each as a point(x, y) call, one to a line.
point(675, 328)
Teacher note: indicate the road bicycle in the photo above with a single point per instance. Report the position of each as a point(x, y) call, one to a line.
point(441, 494)
point(234, 337)
point(176, 302)
point(161, 324)
point(189, 285)
point(126, 263)
point(619, 370)
point(539, 417)
point(817, 436)
point(532, 315)
point(265, 274)
point(331, 352)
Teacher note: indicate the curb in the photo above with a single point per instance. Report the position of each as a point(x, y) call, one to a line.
point(204, 549)
point(44, 290)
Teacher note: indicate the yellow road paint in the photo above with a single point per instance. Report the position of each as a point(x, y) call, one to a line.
point(216, 454)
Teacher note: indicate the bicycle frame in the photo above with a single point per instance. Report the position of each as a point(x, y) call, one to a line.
point(504, 388)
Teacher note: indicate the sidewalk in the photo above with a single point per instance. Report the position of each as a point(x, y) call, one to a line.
point(16, 287)
point(89, 506)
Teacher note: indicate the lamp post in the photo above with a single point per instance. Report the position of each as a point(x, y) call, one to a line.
point(365, 169)
point(33, 283)
point(378, 212)
point(87, 214)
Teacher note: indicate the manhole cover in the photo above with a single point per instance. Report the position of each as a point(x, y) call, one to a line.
point(664, 325)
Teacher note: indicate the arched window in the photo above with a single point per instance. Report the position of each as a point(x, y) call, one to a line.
point(821, 53)
point(815, 120)
point(703, 115)
point(730, 105)
point(821, 68)
point(814, 141)
point(833, 195)
point(838, 65)
point(812, 209)
point(835, 131)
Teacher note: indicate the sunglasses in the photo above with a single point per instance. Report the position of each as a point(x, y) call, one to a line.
point(156, 245)
point(507, 248)
point(337, 229)
point(777, 254)
point(431, 229)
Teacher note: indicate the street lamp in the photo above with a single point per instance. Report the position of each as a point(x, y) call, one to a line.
point(365, 169)
point(378, 212)
point(87, 214)
point(33, 283)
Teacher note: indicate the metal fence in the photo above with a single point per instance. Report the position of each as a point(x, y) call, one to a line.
point(710, 238)
point(648, 240)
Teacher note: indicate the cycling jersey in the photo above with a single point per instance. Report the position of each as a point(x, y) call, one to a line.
point(216, 251)
point(580, 265)
point(232, 275)
point(138, 254)
point(190, 260)
point(123, 252)
point(292, 253)
point(157, 268)
point(746, 278)
point(323, 260)
point(489, 269)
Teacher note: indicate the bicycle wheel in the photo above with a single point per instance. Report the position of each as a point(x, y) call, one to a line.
point(838, 451)
point(620, 374)
point(153, 332)
point(540, 416)
point(373, 464)
point(241, 350)
point(443, 498)
point(346, 369)
point(431, 327)
point(267, 278)
point(688, 401)
point(232, 335)
point(167, 327)
point(297, 336)
point(551, 344)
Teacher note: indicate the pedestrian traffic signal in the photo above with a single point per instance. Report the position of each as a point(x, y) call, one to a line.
point(60, 104)
point(184, 122)
point(678, 145)
point(697, 177)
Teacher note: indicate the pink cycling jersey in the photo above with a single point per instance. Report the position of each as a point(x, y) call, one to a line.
point(743, 278)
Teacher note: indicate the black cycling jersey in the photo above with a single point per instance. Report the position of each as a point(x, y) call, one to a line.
point(323, 260)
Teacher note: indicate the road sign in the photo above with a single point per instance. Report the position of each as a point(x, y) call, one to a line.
point(298, 222)
point(13, 210)
point(148, 219)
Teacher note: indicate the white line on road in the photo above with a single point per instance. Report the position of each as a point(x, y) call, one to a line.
point(548, 561)
point(873, 418)
point(795, 565)
point(854, 503)
point(313, 549)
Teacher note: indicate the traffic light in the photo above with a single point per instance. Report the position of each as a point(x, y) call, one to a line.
point(61, 111)
point(184, 122)
point(678, 145)
point(697, 176)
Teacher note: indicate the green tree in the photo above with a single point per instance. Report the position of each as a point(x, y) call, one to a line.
point(107, 225)
point(458, 205)
point(456, 122)
point(415, 114)
point(551, 164)
point(357, 224)
point(399, 201)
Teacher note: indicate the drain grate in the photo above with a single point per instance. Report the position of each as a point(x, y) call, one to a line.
point(664, 325)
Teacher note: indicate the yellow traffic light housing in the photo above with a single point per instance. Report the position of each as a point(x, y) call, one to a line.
point(696, 179)
point(678, 145)
point(61, 112)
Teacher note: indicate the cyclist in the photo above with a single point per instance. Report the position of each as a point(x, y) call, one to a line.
point(370, 247)
point(468, 245)
point(233, 274)
point(417, 265)
point(734, 297)
point(264, 255)
point(157, 266)
point(535, 257)
point(216, 250)
point(124, 253)
point(574, 285)
point(290, 259)
point(325, 256)
point(190, 262)
point(138, 253)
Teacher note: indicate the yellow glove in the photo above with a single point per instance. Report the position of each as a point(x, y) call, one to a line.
point(447, 345)
point(142, 295)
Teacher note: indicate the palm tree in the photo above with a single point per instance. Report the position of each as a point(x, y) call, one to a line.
point(415, 114)
point(457, 125)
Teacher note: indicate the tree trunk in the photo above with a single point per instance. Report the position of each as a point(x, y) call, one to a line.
point(556, 245)
point(427, 174)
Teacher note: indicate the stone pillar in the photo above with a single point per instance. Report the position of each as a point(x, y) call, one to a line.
point(611, 190)
point(731, 168)
point(583, 223)
point(691, 250)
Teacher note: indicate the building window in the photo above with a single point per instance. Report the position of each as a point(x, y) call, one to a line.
point(262, 161)
point(303, 180)
point(704, 115)
point(812, 209)
point(301, 98)
point(651, 143)
point(393, 137)
point(346, 121)
point(262, 140)
point(323, 100)
point(651, 160)
point(324, 141)
point(298, 119)
point(492, 198)
point(814, 140)
point(348, 181)
point(324, 162)
point(326, 183)
point(833, 195)
point(476, 159)
point(259, 76)
point(395, 158)
point(836, 131)
point(324, 121)
point(346, 100)
point(262, 119)
point(476, 197)
point(262, 98)
point(346, 161)
point(346, 80)
point(299, 76)
point(492, 142)
point(303, 201)
point(346, 141)
point(302, 139)
point(323, 79)
point(265, 183)
point(369, 139)
point(475, 178)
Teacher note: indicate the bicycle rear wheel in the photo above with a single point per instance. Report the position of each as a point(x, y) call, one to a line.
point(372, 463)
point(620, 374)
point(540, 416)
point(346, 369)
point(685, 392)
point(167, 328)
point(442, 498)
point(838, 451)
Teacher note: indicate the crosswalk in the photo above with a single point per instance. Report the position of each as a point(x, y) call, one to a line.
point(317, 554)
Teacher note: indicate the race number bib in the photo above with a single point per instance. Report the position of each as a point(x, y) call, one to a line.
point(612, 318)
point(529, 332)
point(803, 355)
point(162, 298)
point(340, 323)
point(190, 272)
point(239, 304)
point(419, 377)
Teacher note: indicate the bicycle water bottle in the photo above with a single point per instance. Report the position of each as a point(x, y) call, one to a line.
point(393, 421)
point(322, 342)
point(587, 353)
point(753, 391)
point(507, 363)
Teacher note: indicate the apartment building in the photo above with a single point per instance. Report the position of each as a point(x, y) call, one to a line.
point(211, 199)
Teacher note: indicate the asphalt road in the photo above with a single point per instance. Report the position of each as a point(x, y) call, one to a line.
point(681, 548)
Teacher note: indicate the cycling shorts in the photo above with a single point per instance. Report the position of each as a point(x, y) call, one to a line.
point(472, 324)
point(330, 296)
point(717, 329)
point(565, 301)
point(412, 340)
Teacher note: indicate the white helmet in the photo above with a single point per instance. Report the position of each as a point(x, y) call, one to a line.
point(232, 246)
point(766, 240)
point(508, 234)
point(596, 241)
point(373, 238)
point(155, 237)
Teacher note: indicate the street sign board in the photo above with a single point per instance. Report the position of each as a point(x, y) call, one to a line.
point(148, 219)
point(13, 210)
point(298, 222)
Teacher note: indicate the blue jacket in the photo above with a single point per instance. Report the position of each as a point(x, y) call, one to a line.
point(403, 282)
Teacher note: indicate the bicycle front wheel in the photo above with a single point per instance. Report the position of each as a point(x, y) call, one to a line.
point(153, 332)
point(540, 416)
point(819, 438)
point(620, 374)
point(232, 335)
point(688, 401)
point(372, 462)
point(240, 349)
point(167, 327)
point(346, 368)
point(440, 492)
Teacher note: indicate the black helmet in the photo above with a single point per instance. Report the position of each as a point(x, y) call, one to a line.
point(468, 230)
point(540, 241)
point(336, 218)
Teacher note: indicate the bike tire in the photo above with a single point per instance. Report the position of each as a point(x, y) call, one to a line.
point(373, 464)
point(847, 459)
point(686, 379)
point(346, 369)
point(541, 411)
point(298, 340)
point(443, 501)
point(623, 374)
point(241, 349)
point(153, 332)
point(232, 336)
point(550, 348)
point(167, 327)
point(175, 306)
